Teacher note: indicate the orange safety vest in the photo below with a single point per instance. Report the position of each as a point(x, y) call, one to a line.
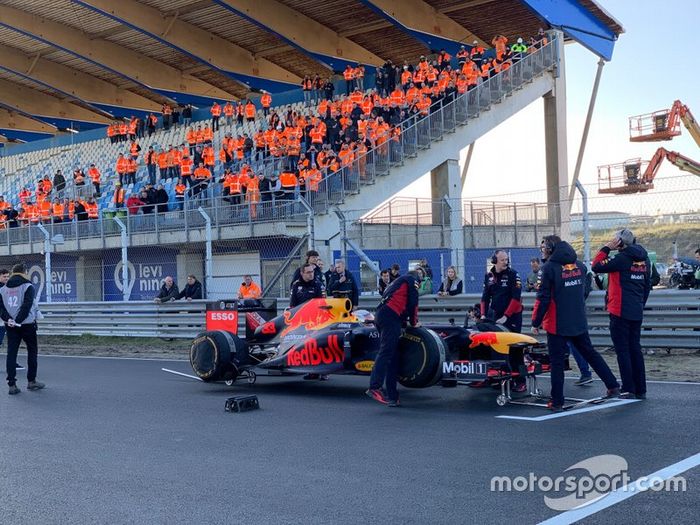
point(162, 160)
point(199, 135)
point(250, 110)
point(202, 173)
point(57, 210)
point(133, 166)
point(313, 179)
point(228, 109)
point(186, 165)
point(288, 179)
point(134, 149)
point(349, 73)
point(208, 134)
point(233, 183)
point(180, 189)
point(405, 77)
point(266, 100)
point(94, 175)
point(91, 209)
point(119, 196)
point(250, 292)
point(122, 165)
point(216, 110)
point(45, 209)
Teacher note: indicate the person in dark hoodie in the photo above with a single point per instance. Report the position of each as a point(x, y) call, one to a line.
point(561, 310)
point(343, 282)
point(398, 307)
point(161, 199)
point(629, 284)
point(168, 292)
point(192, 290)
point(19, 310)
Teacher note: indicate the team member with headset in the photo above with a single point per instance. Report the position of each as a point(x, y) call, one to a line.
point(19, 311)
point(629, 284)
point(560, 309)
point(399, 307)
point(501, 302)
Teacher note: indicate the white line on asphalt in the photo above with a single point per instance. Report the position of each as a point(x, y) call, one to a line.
point(573, 412)
point(650, 381)
point(110, 357)
point(180, 374)
point(616, 496)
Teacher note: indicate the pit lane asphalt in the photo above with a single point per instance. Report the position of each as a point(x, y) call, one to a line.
point(120, 441)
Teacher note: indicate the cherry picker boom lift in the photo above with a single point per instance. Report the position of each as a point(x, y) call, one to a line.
point(628, 177)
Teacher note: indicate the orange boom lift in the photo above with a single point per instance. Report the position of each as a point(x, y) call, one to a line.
point(664, 124)
point(628, 177)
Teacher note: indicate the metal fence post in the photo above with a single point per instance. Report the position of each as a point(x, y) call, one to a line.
point(585, 224)
point(208, 278)
point(47, 260)
point(126, 292)
point(515, 224)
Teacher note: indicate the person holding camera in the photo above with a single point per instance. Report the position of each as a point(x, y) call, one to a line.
point(19, 312)
point(343, 283)
point(629, 284)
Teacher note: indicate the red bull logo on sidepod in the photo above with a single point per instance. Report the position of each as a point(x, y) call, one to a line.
point(311, 354)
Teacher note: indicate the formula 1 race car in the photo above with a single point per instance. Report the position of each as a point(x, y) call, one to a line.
point(323, 336)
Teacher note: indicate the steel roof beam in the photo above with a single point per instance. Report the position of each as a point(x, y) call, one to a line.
point(190, 39)
point(421, 16)
point(15, 121)
point(300, 30)
point(71, 81)
point(123, 61)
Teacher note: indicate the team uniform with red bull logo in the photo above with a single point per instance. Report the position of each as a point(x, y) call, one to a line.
point(501, 297)
point(561, 310)
point(399, 306)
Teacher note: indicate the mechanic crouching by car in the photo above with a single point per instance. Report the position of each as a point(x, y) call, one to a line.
point(629, 284)
point(305, 288)
point(399, 306)
point(560, 308)
point(500, 300)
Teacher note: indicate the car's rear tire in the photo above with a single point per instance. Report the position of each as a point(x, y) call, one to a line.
point(422, 354)
point(217, 355)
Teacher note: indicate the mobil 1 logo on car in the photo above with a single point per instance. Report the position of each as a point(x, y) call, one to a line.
point(465, 369)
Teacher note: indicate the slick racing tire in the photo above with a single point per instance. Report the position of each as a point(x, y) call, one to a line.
point(217, 355)
point(422, 354)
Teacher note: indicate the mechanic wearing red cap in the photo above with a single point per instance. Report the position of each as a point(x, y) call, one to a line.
point(398, 307)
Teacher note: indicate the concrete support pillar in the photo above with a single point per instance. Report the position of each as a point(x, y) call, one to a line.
point(555, 148)
point(446, 182)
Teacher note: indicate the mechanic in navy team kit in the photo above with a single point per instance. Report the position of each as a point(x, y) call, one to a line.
point(629, 284)
point(500, 300)
point(305, 288)
point(560, 308)
point(399, 307)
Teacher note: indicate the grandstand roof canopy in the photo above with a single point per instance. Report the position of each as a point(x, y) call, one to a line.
point(87, 61)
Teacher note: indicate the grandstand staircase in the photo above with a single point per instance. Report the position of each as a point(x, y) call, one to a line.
point(421, 156)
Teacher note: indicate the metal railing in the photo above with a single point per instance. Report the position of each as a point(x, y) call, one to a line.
point(222, 213)
point(671, 318)
point(416, 133)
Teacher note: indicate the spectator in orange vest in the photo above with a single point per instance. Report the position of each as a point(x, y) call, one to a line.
point(95, 175)
point(249, 290)
point(215, 115)
point(119, 195)
point(349, 76)
point(250, 111)
point(180, 194)
point(229, 111)
point(266, 102)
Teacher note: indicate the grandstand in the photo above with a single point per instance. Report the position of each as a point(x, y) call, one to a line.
point(424, 139)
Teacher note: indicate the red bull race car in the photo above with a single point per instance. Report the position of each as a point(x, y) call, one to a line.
point(324, 336)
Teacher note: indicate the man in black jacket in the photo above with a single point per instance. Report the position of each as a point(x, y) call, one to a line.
point(312, 259)
point(629, 284)
point(192, 290)
point(561, 310)
point(59, 183)
point(168, 292)
point(161, 199)
point(399, 306)
point(343, 282)
point(306, 287)
point(500, 300)
point(19, 311)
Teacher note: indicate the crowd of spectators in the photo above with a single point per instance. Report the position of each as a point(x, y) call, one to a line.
point(331, 133)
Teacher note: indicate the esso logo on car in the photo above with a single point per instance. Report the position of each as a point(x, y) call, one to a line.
point(222, 316)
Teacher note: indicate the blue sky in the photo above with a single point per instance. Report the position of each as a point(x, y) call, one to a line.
point(653, 64)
